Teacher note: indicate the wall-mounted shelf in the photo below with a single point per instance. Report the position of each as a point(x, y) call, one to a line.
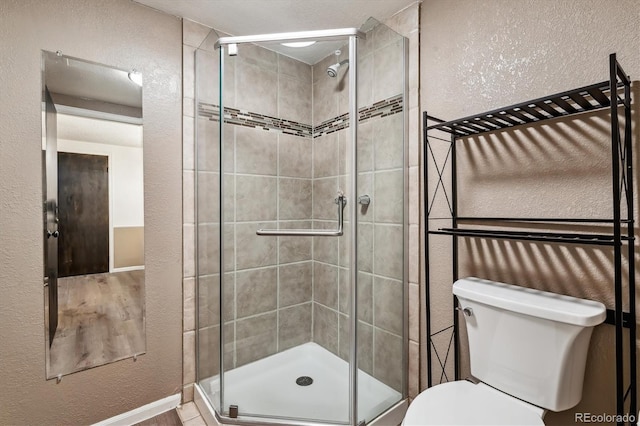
point(590, 98)
point(616, 232)
point(548, 237)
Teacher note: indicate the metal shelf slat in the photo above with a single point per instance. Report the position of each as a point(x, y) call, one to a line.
point(554, 237)
point(588, 98)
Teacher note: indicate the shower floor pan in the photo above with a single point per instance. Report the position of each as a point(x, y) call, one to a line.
point(268, 388)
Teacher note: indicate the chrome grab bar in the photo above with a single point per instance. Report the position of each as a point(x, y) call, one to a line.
point(341, 201)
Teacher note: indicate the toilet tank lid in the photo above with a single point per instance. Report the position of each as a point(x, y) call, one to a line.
point(536, 303)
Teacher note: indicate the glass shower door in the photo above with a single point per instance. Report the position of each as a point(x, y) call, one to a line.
point(287, 204)
point(207, 231)
point(283, 179)
point(382, 221)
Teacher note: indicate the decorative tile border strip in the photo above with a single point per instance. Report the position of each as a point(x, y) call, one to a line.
point(379, 109)
point(333, 125)
point(255, 120)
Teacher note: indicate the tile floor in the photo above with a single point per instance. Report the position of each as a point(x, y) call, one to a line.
point(186, 414)
point(189, 415)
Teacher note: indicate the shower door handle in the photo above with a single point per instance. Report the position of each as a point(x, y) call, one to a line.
point(341, 201)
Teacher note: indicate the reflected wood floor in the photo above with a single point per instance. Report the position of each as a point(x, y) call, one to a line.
point(101, 320)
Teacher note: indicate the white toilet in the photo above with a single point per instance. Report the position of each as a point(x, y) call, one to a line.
point(527, 349)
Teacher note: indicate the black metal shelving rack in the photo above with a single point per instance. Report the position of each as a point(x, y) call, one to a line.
point(614, 94)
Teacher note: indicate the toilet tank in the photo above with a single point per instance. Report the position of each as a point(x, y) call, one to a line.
point(528, 343)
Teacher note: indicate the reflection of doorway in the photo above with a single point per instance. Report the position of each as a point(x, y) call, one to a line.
point(83, 200)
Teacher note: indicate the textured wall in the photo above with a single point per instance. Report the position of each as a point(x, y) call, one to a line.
point(125, 35)
point(480, 55)
point(476, 56)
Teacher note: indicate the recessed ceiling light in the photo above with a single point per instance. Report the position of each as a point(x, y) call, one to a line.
point(299, 43)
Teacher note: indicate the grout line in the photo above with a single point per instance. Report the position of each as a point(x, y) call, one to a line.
point(272, 311)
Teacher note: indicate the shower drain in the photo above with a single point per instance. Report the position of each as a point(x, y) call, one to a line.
point(304, 380)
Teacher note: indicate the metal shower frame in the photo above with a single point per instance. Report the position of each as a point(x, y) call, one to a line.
point(614, 94)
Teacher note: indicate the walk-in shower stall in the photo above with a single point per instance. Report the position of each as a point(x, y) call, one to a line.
point(301, 226)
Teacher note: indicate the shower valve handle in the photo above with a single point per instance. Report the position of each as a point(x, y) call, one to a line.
point(365, 200)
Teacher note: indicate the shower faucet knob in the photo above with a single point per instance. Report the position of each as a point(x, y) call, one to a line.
point(365, 200)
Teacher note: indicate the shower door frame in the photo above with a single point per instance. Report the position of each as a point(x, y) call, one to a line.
point(228, 46)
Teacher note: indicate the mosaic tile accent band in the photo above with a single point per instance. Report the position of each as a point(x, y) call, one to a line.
point(379, 109)
point(255, 120)
point(235, 116)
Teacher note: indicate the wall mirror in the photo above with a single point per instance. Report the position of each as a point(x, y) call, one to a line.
point(93, 214)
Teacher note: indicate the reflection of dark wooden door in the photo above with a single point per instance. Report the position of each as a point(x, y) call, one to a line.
point(83, 208)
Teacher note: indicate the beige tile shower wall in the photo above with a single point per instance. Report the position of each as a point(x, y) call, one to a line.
point(328, 102)
point(273, 185)
point(506, 55)
point(380, 161)
point(193, 35)
point(407, 23)
point(294, 170)
point(205, 329)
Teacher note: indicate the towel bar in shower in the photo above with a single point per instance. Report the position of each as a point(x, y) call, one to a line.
point(341, 201)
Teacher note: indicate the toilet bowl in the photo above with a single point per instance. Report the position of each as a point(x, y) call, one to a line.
point(527, 350)
point(465, 403)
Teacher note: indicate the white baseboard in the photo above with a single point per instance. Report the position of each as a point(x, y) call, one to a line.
point(129, 268)
point(143, 413)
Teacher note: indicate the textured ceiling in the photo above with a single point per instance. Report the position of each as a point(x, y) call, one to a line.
point(93, 130)
point(250, 17)
point(87, 80)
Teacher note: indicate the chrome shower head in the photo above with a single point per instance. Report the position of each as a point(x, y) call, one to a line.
point(332, 70)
